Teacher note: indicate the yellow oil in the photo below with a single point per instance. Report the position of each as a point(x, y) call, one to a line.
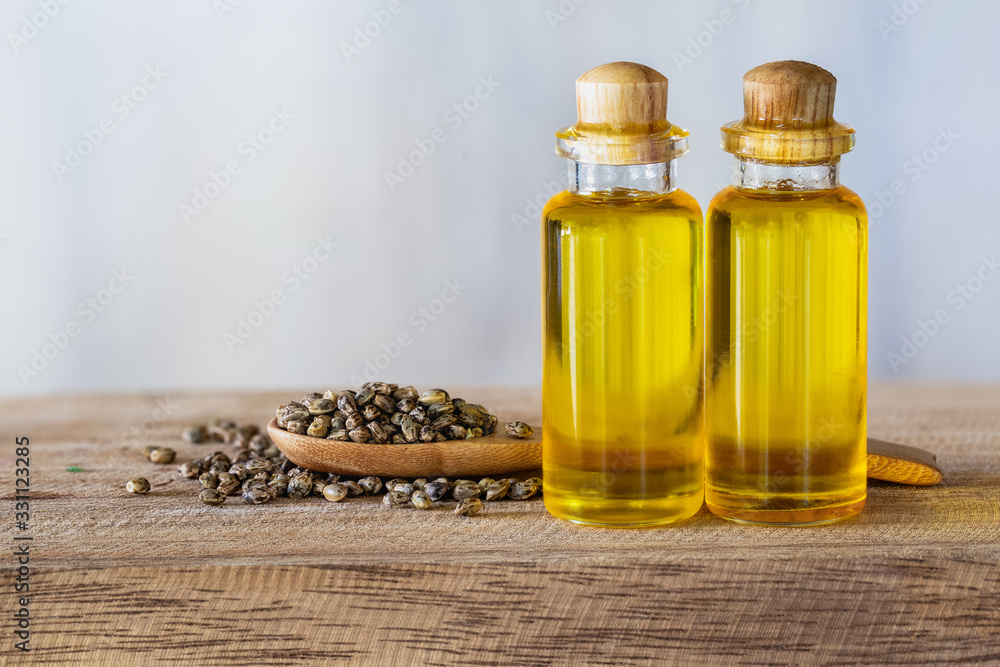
point(786, 320)
point(623, 423)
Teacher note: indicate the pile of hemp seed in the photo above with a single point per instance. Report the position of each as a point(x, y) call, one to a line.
point(386, 413)
point(259, 473)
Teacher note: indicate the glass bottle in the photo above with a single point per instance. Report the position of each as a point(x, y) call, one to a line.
point(622, 433)
point(786, 311)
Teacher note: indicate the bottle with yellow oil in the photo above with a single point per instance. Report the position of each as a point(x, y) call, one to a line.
point(786, 311)
point(622, 277)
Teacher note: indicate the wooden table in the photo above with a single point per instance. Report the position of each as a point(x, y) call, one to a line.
point(128, 580)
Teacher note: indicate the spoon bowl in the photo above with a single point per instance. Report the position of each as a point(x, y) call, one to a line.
point(485, 455)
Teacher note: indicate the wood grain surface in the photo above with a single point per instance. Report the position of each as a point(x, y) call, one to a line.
point(162, 579)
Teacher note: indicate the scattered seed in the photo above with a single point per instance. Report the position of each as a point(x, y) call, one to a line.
point(228, 483)
point(255, 466)
point(518, 430)
point(420, 499)
point(256, 495)
point(395, 499)
point(212, 497)
point(353, 488)
point(335, 492)
point(463, 491)
point(522, 490)
point(498, 490)
point(162, 455)
point(195, 434)
point(406, 488)
point(191, 469)
point(490, 423)
point(137, 485)
point(435, 490)
point(278, 483)
point(469, 507)
point(300, 486)
point(370, 485)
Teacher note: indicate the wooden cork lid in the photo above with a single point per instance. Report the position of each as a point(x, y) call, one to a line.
point(622, 111)
point(788, 116)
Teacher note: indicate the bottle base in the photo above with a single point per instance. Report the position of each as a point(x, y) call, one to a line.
point(624, 514)
point(792, 518)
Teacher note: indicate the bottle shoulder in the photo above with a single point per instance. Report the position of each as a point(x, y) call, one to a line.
point(732, 200)
point(678, 203)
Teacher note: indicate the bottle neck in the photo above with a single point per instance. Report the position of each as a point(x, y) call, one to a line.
point(623, 181)
point(754, 175)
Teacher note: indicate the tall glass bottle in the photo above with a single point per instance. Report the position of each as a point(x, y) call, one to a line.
point(786, 311)
point(622, 312)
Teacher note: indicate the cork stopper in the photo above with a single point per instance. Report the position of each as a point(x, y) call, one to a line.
point(788, 116)
point(622, 118)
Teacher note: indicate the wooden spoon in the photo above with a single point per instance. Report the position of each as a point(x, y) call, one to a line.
point(497, 453)
point(902, 464)
point(486, 455)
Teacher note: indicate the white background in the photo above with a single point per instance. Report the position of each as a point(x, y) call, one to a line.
point(905, 74)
